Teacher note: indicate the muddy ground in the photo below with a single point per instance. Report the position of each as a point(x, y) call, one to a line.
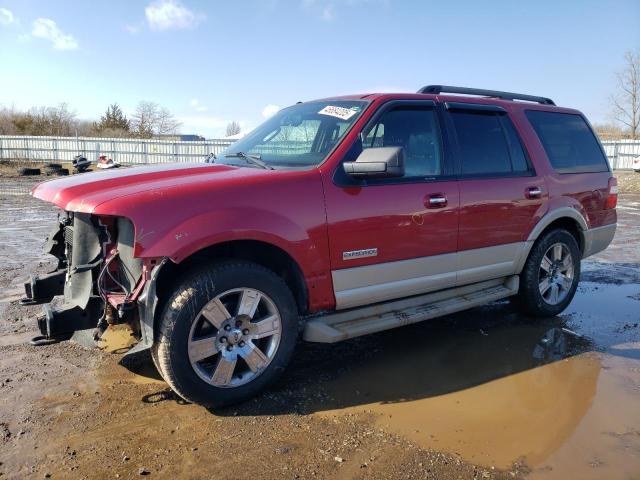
point(481, 394)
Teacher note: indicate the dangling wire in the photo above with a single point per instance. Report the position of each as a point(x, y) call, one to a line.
point(105, 269)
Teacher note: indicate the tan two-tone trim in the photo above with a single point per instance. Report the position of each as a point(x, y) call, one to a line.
point(385, 281)
point(597, 239)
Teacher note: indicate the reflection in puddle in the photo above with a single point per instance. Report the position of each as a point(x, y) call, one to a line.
point(485, 397)
point(508, 391)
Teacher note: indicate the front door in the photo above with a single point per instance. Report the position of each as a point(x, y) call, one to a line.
point(391, 238)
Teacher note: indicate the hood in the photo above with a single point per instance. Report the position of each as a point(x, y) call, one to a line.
point(85, 192)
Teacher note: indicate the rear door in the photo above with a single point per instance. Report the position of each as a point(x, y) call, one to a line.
point(501, 195)
point(394, 237)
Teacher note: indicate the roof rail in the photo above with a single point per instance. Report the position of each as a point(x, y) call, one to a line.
point(485, 93)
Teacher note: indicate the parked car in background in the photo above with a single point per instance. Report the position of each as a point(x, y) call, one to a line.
point(335, 218)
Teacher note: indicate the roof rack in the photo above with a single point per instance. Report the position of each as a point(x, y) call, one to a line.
point(435, 89)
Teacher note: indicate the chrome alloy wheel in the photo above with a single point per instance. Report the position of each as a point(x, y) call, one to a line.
point(556, 274)
point(229, 350)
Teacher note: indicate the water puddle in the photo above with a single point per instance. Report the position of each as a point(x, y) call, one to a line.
point(117, 339)
point(561, 394)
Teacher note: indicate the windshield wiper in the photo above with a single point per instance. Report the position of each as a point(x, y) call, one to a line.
point(253, 158)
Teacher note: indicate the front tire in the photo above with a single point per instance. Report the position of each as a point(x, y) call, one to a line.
point(226, 332)
point(550, 275)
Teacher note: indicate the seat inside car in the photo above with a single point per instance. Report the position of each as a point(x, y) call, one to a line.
point(411, 130)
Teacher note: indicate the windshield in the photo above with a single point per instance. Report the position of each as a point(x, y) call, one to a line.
point(299, 136)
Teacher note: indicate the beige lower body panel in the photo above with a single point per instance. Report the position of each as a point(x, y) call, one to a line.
point(386, 281)
point(597, 239)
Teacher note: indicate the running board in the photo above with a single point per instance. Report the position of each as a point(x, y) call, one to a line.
point(352, 323)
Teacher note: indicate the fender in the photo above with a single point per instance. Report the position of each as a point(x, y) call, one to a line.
point(553, 215)
point(195, 233)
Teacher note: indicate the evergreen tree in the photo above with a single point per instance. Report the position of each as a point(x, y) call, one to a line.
point(113, 119)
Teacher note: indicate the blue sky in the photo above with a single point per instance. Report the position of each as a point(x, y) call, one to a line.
point(216, 61)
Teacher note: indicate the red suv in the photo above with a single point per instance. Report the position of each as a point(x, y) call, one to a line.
point(333, 219)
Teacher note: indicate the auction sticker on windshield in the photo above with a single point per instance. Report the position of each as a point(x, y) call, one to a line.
point(339, 112)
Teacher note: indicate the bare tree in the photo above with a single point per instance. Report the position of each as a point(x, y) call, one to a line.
point(166, 123)
point(151, 119)
point(7, 116)
point(626, 102)
point(608, 131)
point(144, 119)
point(58, 121)
point(233, 128)
point(62, 121)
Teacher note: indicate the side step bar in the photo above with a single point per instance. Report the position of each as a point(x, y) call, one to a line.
point(384, 316)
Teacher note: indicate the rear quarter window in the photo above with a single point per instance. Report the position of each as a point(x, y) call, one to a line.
point(568, 141)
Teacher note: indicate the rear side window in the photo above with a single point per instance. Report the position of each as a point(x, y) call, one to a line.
point(488, 144)
point(569, 142)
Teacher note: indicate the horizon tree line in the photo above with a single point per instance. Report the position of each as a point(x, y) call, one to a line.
point(148, 120)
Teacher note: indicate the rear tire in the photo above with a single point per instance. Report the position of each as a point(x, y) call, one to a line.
point(225, 333)
point(26, 171)
point(550, 275)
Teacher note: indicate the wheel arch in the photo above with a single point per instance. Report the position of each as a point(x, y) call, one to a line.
point(566, 218)
point(262, 253)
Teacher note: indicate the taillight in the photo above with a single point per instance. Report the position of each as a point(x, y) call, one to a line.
point(612, 195)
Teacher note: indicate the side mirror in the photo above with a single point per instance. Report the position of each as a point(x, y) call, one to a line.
point(380, 162)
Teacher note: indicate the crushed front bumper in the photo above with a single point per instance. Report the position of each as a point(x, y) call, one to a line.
point(98, 276)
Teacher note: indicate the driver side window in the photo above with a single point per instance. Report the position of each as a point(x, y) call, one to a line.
point(415, 129)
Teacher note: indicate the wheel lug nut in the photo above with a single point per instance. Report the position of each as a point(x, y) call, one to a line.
point(245, 331)
point(227, 328)
point(241, 344)
point(223, 339)
point(229, 348)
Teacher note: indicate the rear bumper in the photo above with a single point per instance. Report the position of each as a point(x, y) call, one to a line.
point(597, 239)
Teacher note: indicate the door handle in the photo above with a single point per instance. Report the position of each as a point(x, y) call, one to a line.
point(436, 200)
point(533, 192)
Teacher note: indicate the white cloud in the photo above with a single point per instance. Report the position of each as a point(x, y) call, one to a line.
point(195, 104)
point(328, 13)
point(7, 17)
point(131, 28)
point(171, 14)
point(47, 29)
point(326, 9)
point(270, 110)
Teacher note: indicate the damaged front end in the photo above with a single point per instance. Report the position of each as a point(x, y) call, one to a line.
point(97, 273)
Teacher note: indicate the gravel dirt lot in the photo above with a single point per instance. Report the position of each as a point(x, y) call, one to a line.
point(481, 394)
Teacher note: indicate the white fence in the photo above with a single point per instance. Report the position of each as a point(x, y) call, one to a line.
point(129, 150)
point(621, 152)
point(122, 150)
